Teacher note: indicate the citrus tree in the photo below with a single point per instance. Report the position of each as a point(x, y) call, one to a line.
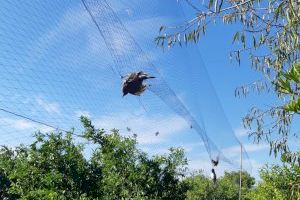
point(57, 166)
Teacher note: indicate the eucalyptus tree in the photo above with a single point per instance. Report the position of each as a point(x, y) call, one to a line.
point(268, 31)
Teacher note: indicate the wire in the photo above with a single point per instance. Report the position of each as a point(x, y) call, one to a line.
point(33, 120)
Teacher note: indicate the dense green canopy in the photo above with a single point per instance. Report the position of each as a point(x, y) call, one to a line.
point(57, 166)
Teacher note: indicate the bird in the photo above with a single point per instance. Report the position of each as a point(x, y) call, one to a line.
point(215, 162)
point(133, 83)
point(213, 175)
point(156, 133)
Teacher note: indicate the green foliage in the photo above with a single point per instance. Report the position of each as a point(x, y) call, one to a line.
point(288, 83)
point(54, 167)
point(278, 183)
point(201, 187)
point(268, 33)
point(227, 186)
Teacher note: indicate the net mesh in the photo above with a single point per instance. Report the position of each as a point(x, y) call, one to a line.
point(63, 59)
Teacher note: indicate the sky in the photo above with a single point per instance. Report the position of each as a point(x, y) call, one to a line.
point(55, 66)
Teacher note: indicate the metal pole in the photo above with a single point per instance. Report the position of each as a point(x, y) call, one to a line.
point(240, 192)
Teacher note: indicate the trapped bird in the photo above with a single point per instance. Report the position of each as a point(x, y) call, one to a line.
point(215, 162)
point(213, 175)
point(133, 83)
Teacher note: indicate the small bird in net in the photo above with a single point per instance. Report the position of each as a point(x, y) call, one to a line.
point(213, 175)
point(215, 162)
point(133, 83)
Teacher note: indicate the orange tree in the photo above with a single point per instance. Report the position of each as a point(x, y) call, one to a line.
point(55, 166)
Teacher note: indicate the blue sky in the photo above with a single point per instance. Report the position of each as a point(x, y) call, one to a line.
point(55, 67)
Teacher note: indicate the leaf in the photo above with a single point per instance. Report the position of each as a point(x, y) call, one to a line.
point(236, 37)
point(162, 28)
point(262, 39)
point(220, 6)
point(210, 4)
point(238, 57)
point(254, 42)
point(243, 40)
point(293, 105)
point(278, 11)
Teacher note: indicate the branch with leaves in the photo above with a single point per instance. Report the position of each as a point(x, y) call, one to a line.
point(269, 33)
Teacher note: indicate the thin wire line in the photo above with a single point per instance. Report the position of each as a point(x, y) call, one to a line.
point(36, 121)
point(39, 122)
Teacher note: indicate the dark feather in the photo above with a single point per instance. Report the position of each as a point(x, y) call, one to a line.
point(133, 83)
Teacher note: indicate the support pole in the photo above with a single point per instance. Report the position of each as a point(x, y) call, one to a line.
point(241, 169)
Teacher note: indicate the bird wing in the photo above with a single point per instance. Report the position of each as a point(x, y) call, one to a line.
point(131, 77)
point(140, 90)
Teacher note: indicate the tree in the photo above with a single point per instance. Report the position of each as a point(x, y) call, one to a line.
point(201, 187)
point(129, 173)
point(278, 182)
point(55, 166)
point(227, 186)
point(230, 184)
point(269, 34)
